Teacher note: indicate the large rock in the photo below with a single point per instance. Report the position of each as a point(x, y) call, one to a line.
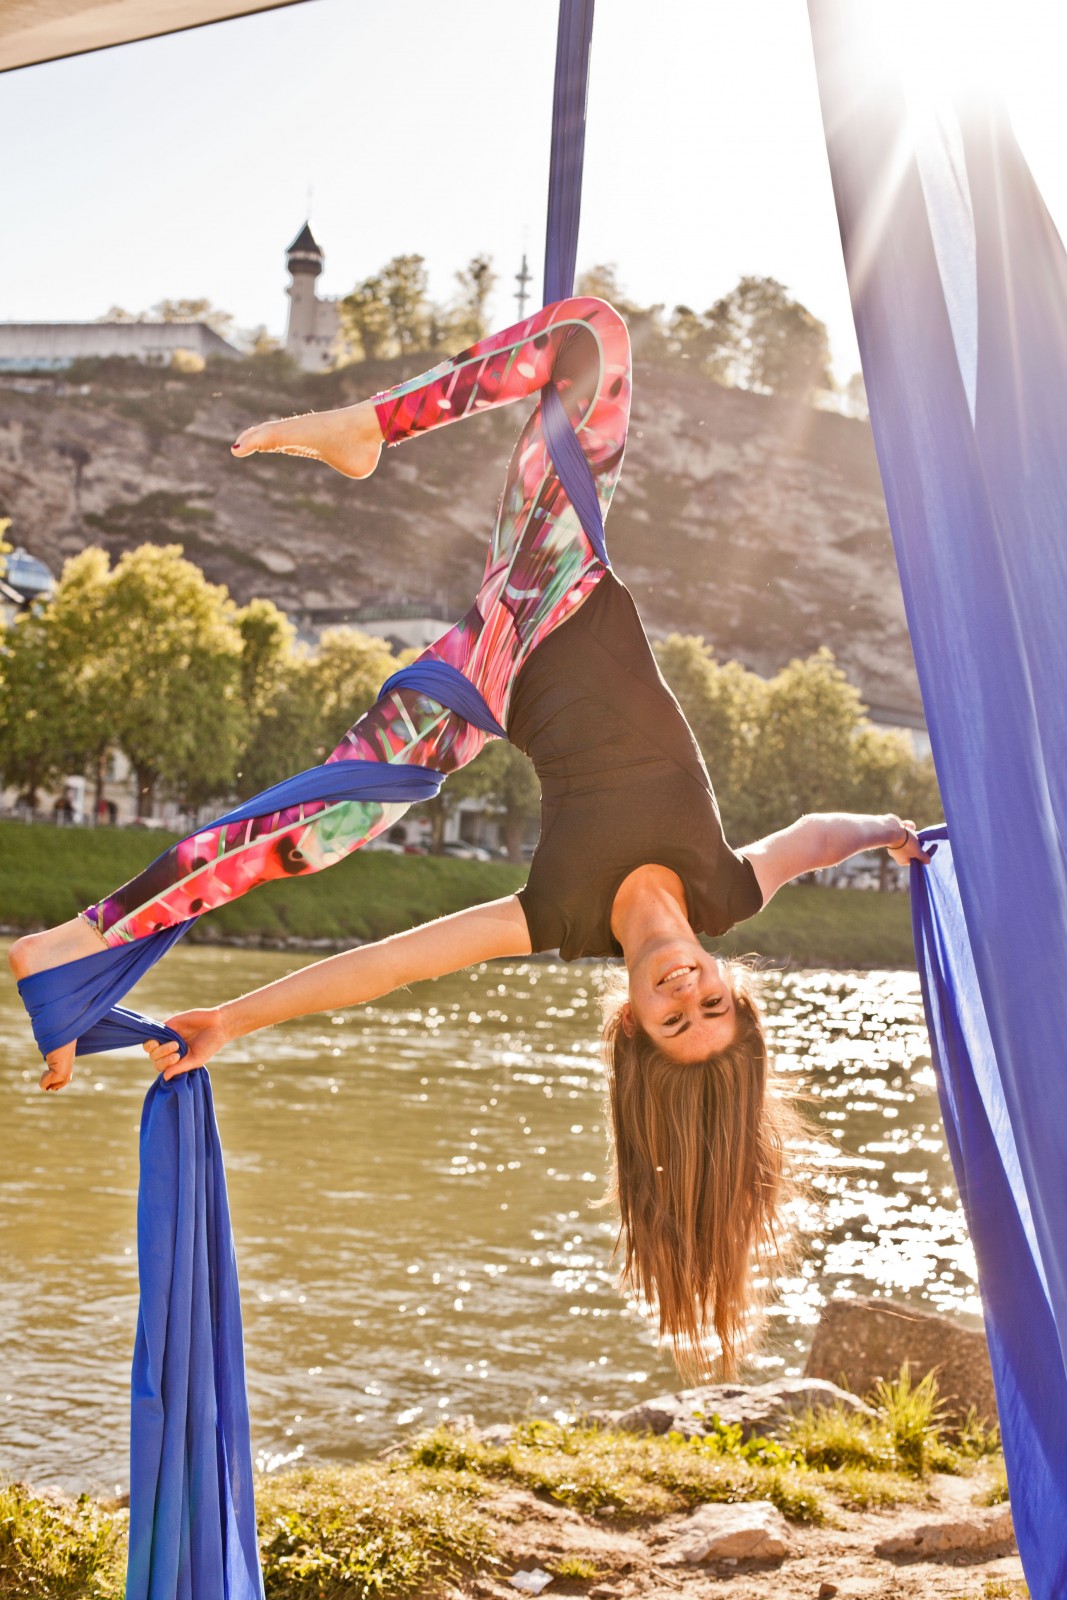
point(937, 1540)
point(763, 1408)
point(859, 1341)
point(756, 1531)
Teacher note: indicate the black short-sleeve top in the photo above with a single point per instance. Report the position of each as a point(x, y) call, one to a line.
point(623, 784)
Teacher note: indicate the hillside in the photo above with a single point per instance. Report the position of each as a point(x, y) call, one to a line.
point(753, 521)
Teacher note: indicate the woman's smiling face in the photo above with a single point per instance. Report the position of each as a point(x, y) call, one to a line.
point(681, 997)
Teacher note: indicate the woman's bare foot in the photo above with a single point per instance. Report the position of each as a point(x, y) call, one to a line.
point(37, 952)
point(59, 1067)
point(349, 440)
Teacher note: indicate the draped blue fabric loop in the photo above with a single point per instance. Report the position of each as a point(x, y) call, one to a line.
point(573, 469)
point(79, 1000)
point(446, 684)
point(192, 1507)
point(959, 289)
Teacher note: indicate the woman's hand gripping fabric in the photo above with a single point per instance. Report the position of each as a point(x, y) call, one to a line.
point(204, 1033)
point(910, 849)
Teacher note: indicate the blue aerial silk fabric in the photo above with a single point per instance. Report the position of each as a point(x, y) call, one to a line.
point(192, 1507)
point(959, 289)
point(573, 42)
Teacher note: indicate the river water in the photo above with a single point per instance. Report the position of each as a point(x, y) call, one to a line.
point(411, 1189)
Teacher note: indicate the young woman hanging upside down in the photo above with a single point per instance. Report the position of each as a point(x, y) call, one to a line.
point(631, 861)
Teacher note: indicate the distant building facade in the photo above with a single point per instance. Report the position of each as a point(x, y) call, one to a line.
point(313, 335)
point(404, 623)
point(51, 346)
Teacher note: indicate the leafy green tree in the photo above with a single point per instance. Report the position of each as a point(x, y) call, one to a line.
point(505, 777)
point(888, 776)
point(274, 708)
point(178, 714)
point(365, 318)
point(58, 694)
point(468, 321)
point(267, 640)
point(315, 698)
point(804, 756)
point(724, 705)
point(389, 313)
point(404, 283)
point(32, 747)
point(86, 649)
point(644, 323)
point(758, 337)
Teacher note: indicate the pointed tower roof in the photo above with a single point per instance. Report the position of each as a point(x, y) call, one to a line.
point(305, 243)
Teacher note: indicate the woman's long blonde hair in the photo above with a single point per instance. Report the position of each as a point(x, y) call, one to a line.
point(698, 1177)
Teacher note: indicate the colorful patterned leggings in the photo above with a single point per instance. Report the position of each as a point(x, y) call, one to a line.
point(540, 567)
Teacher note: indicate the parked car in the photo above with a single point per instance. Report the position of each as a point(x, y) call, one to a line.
point(462, 851)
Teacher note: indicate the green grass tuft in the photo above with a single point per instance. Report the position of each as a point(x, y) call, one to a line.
point(633, 1475)
point(912, 1418)
point(353, 1533)
point(59, 1549)
point(577, 1568)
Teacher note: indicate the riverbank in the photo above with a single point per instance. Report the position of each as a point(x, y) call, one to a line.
point(843, 1502)
point(48, 874)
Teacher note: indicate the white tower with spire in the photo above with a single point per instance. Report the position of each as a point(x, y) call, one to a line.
point(314, 325)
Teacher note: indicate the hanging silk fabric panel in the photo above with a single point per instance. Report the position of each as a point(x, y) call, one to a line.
point(959, 289)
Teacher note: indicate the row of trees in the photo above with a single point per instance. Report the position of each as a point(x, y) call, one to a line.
point(208, 700)
point(757, 337)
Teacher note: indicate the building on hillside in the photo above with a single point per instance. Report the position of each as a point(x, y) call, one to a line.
point(903, 720)
point(52, 346)
point(313, 336)
point(404, 623)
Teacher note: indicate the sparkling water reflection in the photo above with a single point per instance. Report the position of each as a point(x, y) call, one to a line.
point(412, 1191)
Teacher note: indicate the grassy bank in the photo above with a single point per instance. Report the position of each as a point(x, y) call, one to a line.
point(446, 1506)
point(47, 874)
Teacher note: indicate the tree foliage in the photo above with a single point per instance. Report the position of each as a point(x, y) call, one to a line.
point(468, 319)
point(207, 700)
point(758, 337)
point(799, 741)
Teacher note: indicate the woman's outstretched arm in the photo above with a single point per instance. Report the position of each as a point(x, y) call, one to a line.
point(825, 839)
point(480, 933)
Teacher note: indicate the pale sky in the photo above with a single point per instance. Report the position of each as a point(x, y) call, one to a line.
point(183, 166)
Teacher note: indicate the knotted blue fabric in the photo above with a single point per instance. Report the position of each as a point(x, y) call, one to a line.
point(79, 1000)
point(446, 683)
point(959, 288)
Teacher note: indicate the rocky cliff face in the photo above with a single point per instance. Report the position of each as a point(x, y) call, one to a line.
point(754, 522)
